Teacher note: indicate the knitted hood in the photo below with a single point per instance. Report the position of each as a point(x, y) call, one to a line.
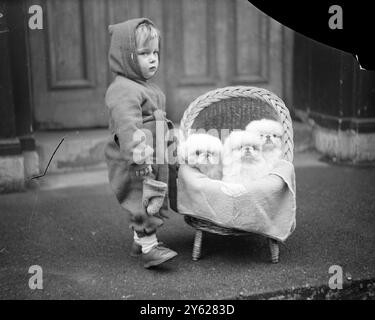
point(122, 51)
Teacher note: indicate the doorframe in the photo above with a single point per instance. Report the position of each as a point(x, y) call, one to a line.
point(20, 62)
point(287, 69)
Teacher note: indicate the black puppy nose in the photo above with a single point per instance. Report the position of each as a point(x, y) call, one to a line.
point(268, 136)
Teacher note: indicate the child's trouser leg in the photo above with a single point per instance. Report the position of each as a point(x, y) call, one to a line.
point(128, 189)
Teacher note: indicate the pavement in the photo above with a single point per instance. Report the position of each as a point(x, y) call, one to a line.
point(78, 235)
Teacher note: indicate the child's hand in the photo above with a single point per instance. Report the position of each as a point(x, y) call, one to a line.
point(144, 172)
point(153, 195)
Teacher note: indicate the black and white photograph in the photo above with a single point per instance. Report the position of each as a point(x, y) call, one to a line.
point(189, 155)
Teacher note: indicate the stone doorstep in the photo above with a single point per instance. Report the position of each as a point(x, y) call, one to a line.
point(303, 137)
point(80, 158)
point(345, 146)
point(80, 150)
point(100, 176)
point(73, 179)
point(11, 174)
point(84, 149)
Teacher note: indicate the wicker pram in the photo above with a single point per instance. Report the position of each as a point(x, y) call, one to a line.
point(233, 108)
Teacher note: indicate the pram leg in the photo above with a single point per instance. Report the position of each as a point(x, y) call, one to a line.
point(274, 248)
point(197, 245)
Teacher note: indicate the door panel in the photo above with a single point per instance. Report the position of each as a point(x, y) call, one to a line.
point(196, 43)
point(251, 45)
point(68, 65)
point(70, 46)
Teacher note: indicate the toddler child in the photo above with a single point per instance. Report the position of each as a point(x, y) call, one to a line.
point(136, 114)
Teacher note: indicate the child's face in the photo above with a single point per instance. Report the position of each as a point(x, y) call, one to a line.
point(148, 58)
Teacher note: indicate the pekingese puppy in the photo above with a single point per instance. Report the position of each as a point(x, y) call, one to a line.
point(202, 151)
point(242, 157)
point(271, 133)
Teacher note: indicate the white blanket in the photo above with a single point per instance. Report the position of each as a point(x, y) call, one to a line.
point(266, 206)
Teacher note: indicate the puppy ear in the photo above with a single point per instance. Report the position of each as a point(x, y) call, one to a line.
point(111, 28)
point(252, 125)
point(181, 152)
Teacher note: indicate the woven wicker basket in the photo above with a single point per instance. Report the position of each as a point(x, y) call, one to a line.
point(233, 108)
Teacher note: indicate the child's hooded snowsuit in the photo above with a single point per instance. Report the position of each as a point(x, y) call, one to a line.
point(134, 104)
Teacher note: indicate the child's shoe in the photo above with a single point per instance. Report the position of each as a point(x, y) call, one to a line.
point(158, 255)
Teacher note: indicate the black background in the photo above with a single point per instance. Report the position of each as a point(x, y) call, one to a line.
point(310, 18)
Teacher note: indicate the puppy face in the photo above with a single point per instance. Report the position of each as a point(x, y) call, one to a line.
point(269, 131)
point(242, 147)
point(201, 149)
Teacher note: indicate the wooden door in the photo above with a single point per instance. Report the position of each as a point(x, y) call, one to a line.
point(217, 43)
point(206, 44)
